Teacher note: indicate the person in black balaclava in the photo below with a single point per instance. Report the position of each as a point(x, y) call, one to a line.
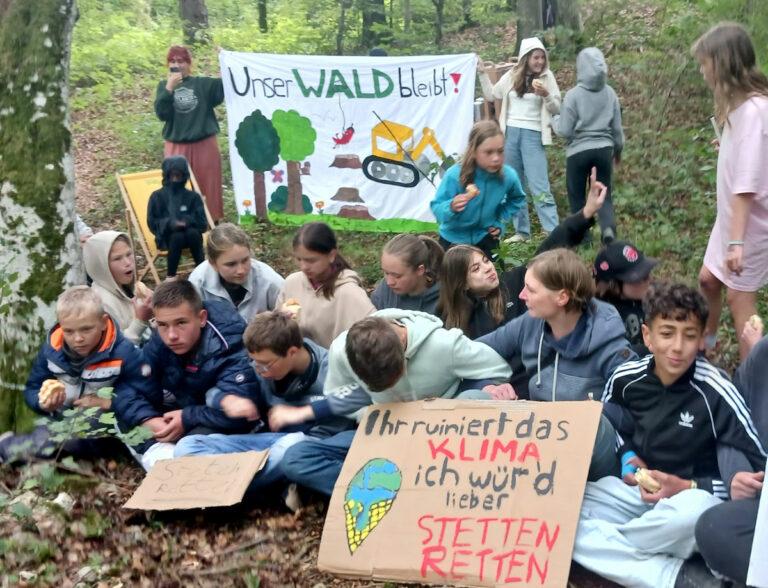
point(176, 215)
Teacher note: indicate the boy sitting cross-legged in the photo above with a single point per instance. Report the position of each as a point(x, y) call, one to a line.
point(196, 352)
point(683, 409)
point(291, 371)
point(82, 354)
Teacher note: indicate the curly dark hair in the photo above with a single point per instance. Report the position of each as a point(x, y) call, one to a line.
point(677, 302)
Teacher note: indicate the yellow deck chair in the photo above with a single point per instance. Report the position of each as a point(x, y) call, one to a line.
point(136, 189)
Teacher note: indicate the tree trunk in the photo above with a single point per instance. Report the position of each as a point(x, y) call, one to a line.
point(373, 13)
point(262, 7)
point(529, 20)
point(194, 18)
point(407, 16)
point(342, 28)
point(260, 195)
point(466, 13)
point(568, 15)
point(439, 7)
point(39, 253)
point(293, 206)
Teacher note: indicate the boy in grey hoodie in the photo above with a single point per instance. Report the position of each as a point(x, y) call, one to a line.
point(590, 123)
point(367, 364)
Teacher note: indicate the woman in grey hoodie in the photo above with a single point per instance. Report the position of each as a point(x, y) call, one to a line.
point(570, 343)
point(590, 123)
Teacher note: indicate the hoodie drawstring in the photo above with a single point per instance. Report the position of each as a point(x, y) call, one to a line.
point(538, 367)
point(538, 360)
point(554, 379)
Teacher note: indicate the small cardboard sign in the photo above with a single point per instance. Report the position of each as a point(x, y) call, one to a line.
point(466, 493)
point(198, 481)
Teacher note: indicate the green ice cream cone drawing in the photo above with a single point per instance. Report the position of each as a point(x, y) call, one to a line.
point(369, 498)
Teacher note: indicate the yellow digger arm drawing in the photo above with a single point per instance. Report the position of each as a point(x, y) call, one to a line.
point(395, 167)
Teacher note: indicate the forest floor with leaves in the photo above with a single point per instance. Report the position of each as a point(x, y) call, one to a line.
point(65, 525)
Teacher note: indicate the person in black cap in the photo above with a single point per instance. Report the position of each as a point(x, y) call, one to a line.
point(622, 277)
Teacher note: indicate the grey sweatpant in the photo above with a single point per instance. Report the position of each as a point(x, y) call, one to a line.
point(634, 543)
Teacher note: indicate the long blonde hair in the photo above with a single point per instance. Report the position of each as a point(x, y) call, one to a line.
point(734, 66)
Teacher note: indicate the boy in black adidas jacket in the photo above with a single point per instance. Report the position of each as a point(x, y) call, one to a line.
point(682, 408)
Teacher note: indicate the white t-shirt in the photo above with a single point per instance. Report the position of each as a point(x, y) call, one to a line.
point(525, 112)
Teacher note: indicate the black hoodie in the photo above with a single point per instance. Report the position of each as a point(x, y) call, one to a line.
point(174, 203)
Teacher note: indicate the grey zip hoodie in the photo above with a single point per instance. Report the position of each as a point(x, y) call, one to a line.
point(590, 117)
point(572, 367)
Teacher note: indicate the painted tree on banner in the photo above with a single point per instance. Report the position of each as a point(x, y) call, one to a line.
point(297, 142)
point(39, 252)
point(258, 144)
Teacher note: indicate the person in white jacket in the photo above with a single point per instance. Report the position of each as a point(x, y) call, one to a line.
point(529, 98)
point(109, 262)
point(231, 275)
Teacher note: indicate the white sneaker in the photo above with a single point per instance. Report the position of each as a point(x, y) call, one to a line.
point(292, 498)
point(517, 238)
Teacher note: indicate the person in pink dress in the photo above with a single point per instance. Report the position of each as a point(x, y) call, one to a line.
point(737, 253)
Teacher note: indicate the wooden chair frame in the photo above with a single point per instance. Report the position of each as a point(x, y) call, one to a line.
point(143, 235)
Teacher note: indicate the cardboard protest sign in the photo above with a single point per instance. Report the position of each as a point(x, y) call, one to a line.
point(198, 481)
point(358, 142)
point(462, 492)
point(758, 562)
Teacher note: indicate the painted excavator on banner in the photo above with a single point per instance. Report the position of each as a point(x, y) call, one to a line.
point(404, 164)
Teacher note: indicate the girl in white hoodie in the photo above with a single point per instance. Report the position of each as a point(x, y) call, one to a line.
point(529, 97)
point(109, 262)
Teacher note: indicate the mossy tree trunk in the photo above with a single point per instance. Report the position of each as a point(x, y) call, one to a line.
point(194, 18)
point(39, 253)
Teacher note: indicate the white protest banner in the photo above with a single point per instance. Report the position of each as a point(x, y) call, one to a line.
point(359, 142)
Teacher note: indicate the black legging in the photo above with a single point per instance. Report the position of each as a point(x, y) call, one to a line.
point(578, 167)
point(724, 536)
point(187, 238)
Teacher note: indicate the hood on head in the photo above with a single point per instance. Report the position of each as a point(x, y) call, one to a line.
point(528, 45)
point(591, 69)
point(96, 257)
point(420, 325)
point(175, 163)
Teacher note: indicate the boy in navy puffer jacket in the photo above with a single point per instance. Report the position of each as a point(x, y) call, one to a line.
point(84, 353)
point(196, 352)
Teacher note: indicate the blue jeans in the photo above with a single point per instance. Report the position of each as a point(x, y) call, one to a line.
point(316, 463)
point(218, 443)
point(524, 152)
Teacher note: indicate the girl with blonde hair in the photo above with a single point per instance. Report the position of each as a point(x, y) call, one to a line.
point(737, 252)
point(231, 274)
